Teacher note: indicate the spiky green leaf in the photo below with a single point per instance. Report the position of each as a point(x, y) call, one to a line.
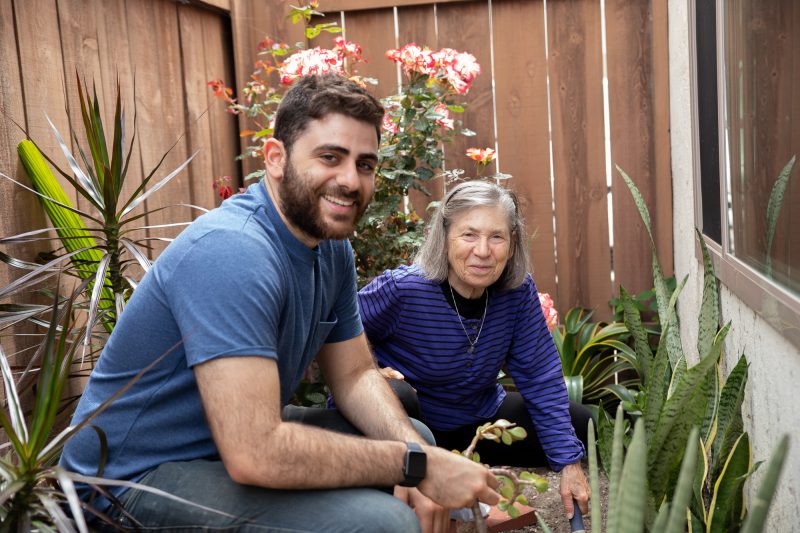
point(727, 501)
point(729, 415)
point(759, 506)
point(709, 308)
point(774, 210)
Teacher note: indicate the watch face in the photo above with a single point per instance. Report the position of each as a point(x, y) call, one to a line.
point(414, 466)
point(417, 464)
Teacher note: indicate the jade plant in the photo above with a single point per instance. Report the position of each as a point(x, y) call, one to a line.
point(511, 484)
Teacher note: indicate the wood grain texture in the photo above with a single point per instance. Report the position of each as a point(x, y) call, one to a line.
point(522, 128)
point(160, 107)
point(198, 127)
point(223, 126)
point(19, 209)
point(465, 27)
point(252, 21)
point(354, 5)
point(417, 24)
point(43, 83)
point(582, 242)
point(374, 31)
point(639, 137)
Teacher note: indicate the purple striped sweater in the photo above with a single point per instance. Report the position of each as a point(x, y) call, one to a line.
point(413, 329)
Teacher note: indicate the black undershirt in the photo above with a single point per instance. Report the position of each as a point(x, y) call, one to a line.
point(467, 308)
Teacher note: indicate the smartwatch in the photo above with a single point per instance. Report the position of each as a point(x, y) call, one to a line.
point(415, 465)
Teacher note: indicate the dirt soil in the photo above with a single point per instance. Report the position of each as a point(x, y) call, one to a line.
point(548, 505)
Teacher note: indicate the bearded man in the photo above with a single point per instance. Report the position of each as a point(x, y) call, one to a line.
point(229, 317)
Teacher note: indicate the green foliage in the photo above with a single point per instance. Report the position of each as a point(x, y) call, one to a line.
point(511, 484)
point(36, 494)
point(676, 404)
point(30, 499)
point(591, 354)
point(417, 124)
point(774, 210)
point(98, 242)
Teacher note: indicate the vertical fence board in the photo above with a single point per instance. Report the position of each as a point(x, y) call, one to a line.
point(252, 21)
point(117, 70)
point(43, 85)
point(374, 31)
point(636, 124)
point(19, 209)
point(79, 44)
point(576, 95)
point(159, 100)
point(465, 27)
point(417, 24)
point(522, 129)
point(198, 128)
point(224, 129)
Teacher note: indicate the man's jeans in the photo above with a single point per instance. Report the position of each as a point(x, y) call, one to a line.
point(259, 510)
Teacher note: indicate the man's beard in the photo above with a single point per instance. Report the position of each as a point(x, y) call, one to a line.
point(300, 204)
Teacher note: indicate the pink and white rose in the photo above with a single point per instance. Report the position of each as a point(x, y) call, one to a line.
point(549, 310)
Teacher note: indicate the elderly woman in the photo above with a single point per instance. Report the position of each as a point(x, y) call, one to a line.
point(467, 307)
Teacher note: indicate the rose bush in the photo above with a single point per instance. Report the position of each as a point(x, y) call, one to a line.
point(418, 121)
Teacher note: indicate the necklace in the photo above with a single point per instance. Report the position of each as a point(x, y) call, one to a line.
point(472, 343)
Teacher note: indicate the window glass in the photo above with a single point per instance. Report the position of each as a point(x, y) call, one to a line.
point(762, 134)
point(707, 117)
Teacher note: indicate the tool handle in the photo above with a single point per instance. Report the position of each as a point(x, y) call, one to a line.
point(576, 522)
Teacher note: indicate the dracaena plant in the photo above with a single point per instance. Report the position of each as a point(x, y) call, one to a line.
point(676, 403)
point(36, 494)
point(99, 242)
point(418, 121)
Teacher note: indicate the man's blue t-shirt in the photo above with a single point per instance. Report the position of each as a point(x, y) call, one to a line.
point(236, 282)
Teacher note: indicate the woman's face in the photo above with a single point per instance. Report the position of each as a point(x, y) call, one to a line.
point(478, 248)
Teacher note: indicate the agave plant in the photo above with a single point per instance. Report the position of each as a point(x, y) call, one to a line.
point(676, 403)
point(97, 243)
point(592, 354)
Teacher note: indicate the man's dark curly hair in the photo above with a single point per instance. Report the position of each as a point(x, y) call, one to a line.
point(313, 97)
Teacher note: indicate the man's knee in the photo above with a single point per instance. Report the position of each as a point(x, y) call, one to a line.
point(390, 515)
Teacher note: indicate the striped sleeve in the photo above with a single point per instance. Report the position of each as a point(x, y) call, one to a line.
point(379, 306)
point(535, 365)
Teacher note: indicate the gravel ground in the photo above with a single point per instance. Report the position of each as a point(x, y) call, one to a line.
point(548, 505)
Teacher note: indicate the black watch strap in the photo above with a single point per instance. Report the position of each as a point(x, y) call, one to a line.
point(415, 465)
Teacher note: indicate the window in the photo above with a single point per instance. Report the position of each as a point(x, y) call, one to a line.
point(748, 121)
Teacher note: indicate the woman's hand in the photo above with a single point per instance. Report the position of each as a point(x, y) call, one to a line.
point(575, 485)
point(391, 373)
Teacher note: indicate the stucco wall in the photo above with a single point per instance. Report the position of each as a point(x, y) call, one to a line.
point(771, 405)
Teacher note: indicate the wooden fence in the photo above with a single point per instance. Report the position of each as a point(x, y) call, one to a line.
point(540, 98)
point(167, 50)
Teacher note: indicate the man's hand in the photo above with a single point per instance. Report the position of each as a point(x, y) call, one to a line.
point(575, 485)
point(433, 518)
point(454, 481)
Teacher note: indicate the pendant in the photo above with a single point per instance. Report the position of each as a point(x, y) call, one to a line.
point(471, 350)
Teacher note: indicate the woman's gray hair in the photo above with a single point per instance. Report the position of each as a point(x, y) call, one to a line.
point(432, 256)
